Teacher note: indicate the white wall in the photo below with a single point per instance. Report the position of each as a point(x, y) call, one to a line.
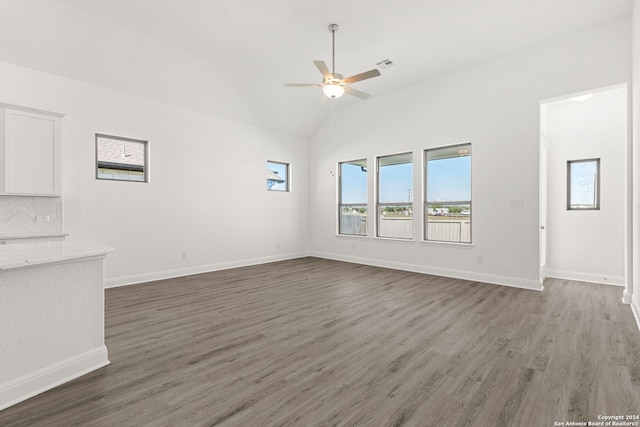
point(588, 245)
point(60, 39)
point(634, 295)
point(494, 105)
point(207, 196)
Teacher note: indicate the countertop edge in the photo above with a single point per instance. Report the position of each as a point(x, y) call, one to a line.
point(34, 254)
point(34, 235)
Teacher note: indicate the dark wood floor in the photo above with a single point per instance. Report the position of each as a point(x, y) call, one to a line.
point(315, 342)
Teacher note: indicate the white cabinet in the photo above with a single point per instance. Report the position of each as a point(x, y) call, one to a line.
point(30, 153)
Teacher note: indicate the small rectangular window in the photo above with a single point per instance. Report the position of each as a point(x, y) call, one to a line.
point(352, 193)
point(395, 196)
point(447, 207)
point(583, 184)
point(121, 159)
point(277, 176)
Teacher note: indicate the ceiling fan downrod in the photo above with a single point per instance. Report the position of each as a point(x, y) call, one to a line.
point(333, 28)
point(333, 84)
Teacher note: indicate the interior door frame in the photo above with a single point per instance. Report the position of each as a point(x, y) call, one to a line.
point(543, 253)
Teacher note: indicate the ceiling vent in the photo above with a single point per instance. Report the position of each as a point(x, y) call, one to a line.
point(385, 63)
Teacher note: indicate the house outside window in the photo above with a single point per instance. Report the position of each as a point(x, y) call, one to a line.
point(352, 194)
point(121, 159)
point(277, 176)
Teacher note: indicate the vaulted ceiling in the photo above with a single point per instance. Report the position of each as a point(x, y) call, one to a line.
point(232, 57)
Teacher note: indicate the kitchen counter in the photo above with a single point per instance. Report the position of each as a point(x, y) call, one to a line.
point(34, 235)
point(51, 315)
point(30, 254)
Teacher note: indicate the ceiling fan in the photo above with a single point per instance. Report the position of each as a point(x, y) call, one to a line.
point(333, 84)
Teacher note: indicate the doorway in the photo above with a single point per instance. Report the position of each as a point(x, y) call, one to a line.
point(580, 240)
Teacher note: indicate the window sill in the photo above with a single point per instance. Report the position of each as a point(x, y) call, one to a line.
point(352, 236)
point(452, 244)
point(394, 239)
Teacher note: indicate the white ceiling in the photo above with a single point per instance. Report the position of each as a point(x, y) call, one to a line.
point(262, 44)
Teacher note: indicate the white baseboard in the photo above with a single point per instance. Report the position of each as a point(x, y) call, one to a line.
point(37, 382)
point(587, 277)
point(635, 308)
point(424, 269)
point(626, 297)
point(197, 269)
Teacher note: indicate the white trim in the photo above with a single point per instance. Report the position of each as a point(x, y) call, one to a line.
point(394, 239)
point(37, 382)
point(30, 110)
point(626, 297)
point(353, 236)
point(586, 277)
point(635, 308)
point(445, 243)
point(197, 269)
point(425, 269)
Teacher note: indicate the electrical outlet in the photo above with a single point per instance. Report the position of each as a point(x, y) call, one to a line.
point(43, 218)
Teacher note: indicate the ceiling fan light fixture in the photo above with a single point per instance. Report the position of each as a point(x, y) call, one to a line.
point(333, 90)
point(334, 85)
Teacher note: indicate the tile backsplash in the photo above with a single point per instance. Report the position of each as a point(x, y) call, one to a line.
point(19, 215)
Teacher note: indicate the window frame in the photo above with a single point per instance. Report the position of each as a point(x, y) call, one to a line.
point(145, 167)
point(425, 195)
point(287, 179)
point(379, 205)
point(341, 205)
point(596, 186)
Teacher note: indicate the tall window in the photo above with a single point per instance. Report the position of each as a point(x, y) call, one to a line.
point(352, 209)
point(583, 184)
point(121, 159)
point(395, 196)
point(447, 210)
point(277, 176)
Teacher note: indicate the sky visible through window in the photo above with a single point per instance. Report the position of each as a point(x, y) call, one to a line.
point(354, 184)
point(396, 183)
point(449, 179)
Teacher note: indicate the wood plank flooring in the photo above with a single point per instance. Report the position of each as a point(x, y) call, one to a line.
point(312, 342)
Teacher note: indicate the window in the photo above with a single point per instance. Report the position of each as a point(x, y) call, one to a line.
point(352, 193)
point(583, 184)
point(447, 210)
point(277, 176)
point(395, 196)
point(121, 159)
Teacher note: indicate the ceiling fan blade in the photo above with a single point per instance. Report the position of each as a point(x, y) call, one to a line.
point(323, 69)
point(303, 84)
point(356, 93)
point(362, 76)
